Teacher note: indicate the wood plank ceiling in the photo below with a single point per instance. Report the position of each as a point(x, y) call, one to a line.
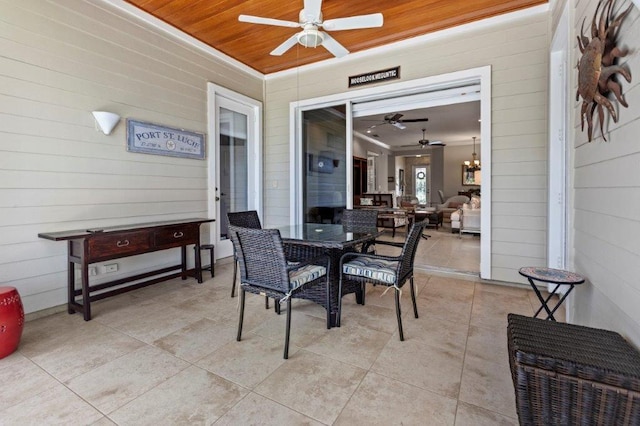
point(215, 22)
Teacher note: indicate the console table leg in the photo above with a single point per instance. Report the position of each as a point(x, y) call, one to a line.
point(86, 304)
point(183, 257)
point(71, 279)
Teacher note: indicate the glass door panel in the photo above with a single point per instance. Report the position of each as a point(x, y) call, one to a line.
point(233, 165)
point(235, 185)
point(324, 147)
point(421, 176)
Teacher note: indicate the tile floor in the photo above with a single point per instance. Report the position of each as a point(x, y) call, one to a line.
point(167, 354)
point(446, 251)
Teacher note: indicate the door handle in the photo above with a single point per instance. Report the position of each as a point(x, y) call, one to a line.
point(217, 198)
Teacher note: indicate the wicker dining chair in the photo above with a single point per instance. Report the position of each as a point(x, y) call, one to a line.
point(246, 219)
point(264, 270)
point(361, 220)
point(390, 271)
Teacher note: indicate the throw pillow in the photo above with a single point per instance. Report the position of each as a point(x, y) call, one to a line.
point(366, 201)
point(475, 202)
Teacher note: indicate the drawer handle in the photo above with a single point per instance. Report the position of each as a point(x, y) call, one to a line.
point(122, 243)
point(178, 235)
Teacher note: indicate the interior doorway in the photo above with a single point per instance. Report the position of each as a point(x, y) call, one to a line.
point(429, 146)
point(424, 92)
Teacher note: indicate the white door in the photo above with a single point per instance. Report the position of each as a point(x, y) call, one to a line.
point(234, 164)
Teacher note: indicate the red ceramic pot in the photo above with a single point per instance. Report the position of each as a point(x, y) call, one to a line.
point(11, 320)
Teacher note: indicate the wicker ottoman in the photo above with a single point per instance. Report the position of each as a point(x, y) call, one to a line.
point(567, 374)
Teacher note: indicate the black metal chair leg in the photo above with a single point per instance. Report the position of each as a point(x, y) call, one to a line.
point(288, 331)
point(327, 300)
point(339, 315)
point(266, 302)
point(235, 275)
point(242, 295)
point(398, 314)
point(364, 292)
point(413, 298)
point(276, 306)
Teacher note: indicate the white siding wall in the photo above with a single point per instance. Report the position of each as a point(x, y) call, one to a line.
point(59, 60)
point(518, 54)
point(607, 200)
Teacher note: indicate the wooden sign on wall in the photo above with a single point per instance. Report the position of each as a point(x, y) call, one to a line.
point(151, 138)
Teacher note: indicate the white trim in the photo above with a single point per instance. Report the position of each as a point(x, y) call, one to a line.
point(485, 154)
point(172, 31)
point(255, 157)
point(480, 75)
point(392, 48)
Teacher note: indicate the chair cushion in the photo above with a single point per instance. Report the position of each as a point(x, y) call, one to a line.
point(306, 274)
point(376, 269)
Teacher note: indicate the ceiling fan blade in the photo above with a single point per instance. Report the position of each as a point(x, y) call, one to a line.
point(333, 46)
point(288, 44)
point(437, 143)
point(267, 21)
point(312, 10)
point(394, 117)
point(354, 22)
point(414, 120)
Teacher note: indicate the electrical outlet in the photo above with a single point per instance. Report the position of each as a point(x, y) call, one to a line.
point(112, 267)
point(93, 271)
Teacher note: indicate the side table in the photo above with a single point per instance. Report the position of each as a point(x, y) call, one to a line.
point(554, 276)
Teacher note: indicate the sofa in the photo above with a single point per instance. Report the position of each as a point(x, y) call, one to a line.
point(451, 205)
point(467, 218)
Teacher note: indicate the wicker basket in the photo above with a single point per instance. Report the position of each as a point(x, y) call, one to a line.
point(567, 374)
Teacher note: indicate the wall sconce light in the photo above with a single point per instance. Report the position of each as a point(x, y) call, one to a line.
point(106, 121)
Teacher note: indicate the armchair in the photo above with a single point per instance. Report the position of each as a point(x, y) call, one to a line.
point(264, 270)
point(390, 271)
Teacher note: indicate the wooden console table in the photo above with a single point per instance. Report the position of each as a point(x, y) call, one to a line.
point(100, 244)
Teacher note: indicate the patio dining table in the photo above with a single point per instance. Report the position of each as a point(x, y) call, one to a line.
point(313, 239)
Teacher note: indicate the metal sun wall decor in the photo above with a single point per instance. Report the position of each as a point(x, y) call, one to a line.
point(597, 66)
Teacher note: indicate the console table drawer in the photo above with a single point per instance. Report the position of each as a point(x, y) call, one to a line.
point(111, 246)
point(175, 236)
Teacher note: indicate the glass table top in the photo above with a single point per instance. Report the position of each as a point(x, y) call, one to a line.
point(325, 234)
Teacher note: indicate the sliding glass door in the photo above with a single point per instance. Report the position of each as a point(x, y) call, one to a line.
point(325, 165)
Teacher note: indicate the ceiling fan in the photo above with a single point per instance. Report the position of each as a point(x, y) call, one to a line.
point(426, 142)
point(310, 19)
point(394, 120)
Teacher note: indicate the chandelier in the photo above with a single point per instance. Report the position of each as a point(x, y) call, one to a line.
point(474, 164)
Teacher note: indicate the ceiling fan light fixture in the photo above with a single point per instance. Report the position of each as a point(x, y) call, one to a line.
point(310, 37)
point(424, 141)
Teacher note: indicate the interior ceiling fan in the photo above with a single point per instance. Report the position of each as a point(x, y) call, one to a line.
point(424, 142)
point(394, 120)
point(310, 19)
